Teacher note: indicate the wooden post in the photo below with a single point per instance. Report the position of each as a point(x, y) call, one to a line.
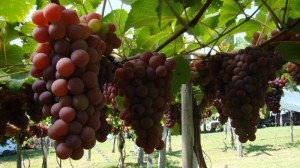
point(140, 156)
point(239, 147)
point(149, 161)
point(291, 128)
point(187, 125)
point(88, 155)
point(19, 155)
point(169, 140)
point(114, 144)
point(162, 153)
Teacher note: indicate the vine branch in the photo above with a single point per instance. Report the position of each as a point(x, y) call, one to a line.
point(225, 33)
point(191, 24)
point(276, 19)
point(197, 139)
point(55, 1)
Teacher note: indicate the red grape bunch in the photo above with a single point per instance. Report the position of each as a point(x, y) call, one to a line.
point(222, 118)
point(173, 115)
point(273, 97)
point(16, 111)
point(246, 81)
point(67, 63)
point(294, 70)
point(145, 85)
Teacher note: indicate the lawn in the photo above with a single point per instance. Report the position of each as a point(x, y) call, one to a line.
point(271, 149)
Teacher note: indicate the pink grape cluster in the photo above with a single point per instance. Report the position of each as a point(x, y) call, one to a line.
point(67, 63)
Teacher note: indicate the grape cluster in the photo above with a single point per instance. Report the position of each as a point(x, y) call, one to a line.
point(222, 118)
point(145, 85)
point(173, 115)
point(105, 128)
point(273, 97)
point(294, 70)
point(246, 81)
point(15, 108)
point(203, 74)
point(67, 61)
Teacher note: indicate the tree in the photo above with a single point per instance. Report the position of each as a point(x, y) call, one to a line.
point(222, 65)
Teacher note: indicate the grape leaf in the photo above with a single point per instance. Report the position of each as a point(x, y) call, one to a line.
point(143, 13)
point(229, 11)
point(289, 51)
point(27, 28)
point(188, 3)
point(13, 55)
point(175, 129)
point(181, 75)
point(17, 81)
point(128, 2)
point(39, 4)
point(118, 18)
point(15, 10)
point(95, 3)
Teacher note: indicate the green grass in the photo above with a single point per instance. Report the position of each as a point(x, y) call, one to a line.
point(271, 149)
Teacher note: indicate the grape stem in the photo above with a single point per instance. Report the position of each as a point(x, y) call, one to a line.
point(276, 19)
point(197, 131)
point(55, 1)
point(191, 24)
point(297, 22)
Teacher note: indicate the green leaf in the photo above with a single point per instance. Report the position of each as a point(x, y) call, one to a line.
point(128, 2)
point(188, 3)
point(13, 55)
point(229, 12)
point(17, 81)
point(175, 129)
point(39, 4)
point(289, 51)
point(118, 18)
point(27, 28)
point(15, 10)
point(29, 46)
point(95, 3)
point(143, 13)
point(181, 75)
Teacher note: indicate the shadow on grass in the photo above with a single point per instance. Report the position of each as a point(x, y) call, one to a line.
point(27, 154)
point(169, 163)
point(259, 149)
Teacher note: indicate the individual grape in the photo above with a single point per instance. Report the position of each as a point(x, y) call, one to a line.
point(57, 30)
point(49, 73)
point(43, 48)
point(80, 102)
point(38, 18)
point(104, 28)
point(69, 17)
point(95, 96)
point(95, 25)
point(63, 151)
point(65, 67)
point(81, 116)
point(74, 32)
point(55, 110)
point(67, 114)
point(46, 98)
point(73, 141)
point(79, 44)
point(80, 58)
point(87, 134)
point(86, 31)
point(40, 34)
point(75, 86)
point(77, 153)
point(89, 79)
point(60, 87)
point(93, 15)
point(39, 86)
point(75, 127)
point(62, 47)
point(53, 12)
point(34, 72)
